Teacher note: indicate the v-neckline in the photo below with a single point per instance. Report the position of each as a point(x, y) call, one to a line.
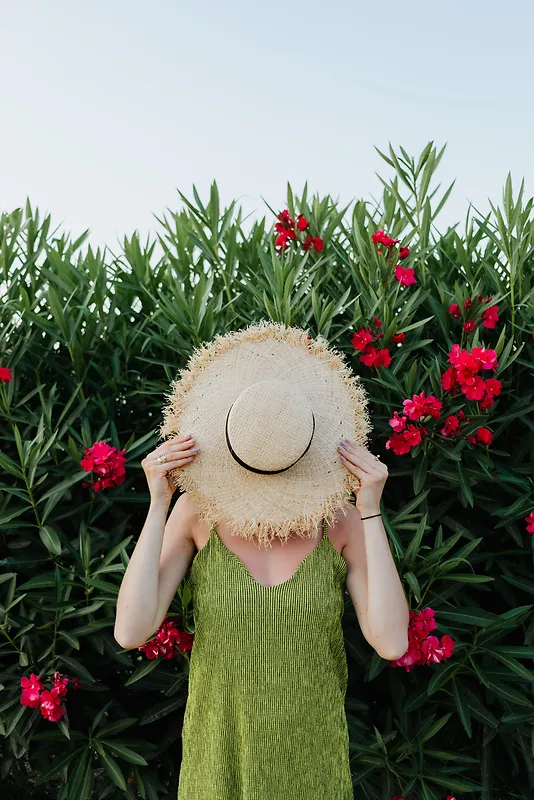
point(262, 586)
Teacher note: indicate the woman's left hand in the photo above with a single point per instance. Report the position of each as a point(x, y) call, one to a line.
point(371, 472)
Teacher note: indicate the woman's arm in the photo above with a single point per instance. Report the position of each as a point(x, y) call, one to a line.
point(158, 564)
point(373, 581)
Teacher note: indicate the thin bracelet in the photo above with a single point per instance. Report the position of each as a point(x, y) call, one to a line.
point(372, 515)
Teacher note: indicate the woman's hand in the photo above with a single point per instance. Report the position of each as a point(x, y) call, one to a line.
point(179, 452)
point(372, 473)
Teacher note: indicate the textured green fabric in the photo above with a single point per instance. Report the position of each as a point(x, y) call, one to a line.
point(265, 716)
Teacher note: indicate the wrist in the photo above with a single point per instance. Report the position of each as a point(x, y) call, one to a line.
point(369, 512)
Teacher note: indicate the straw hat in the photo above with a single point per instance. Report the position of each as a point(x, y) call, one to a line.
point(267, 406)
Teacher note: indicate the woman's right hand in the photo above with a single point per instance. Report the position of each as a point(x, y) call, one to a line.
point(180, 451)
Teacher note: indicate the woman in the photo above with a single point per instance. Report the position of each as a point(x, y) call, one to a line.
point(268, 673)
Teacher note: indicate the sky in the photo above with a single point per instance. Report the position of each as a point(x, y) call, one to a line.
point(108, 108)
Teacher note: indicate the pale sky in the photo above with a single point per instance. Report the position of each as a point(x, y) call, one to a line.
point(109, 107)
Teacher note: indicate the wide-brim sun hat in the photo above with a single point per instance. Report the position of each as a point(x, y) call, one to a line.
point(267, 406)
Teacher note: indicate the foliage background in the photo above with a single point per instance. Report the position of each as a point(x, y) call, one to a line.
point(94, 338)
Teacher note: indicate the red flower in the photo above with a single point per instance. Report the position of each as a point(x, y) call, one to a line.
point(381, 237)
point(469, 326)
point(286, 219)
point(168, 638)
point(482, 436)
point(107, 462)
point(454, 310)
point(490, 316)
point(361, 338)
point(375, 358)
point(403, 253)
point(31, 690)
point(378, 322)
point(60, 685)
point(475, 388)
point(402, 442)
point(315, 242)
point(467, 303)
point(435, 651)
point(405, 275)
point(530, 522)
point(448, 379)
point(422, 648)
point(5, 374)
point(50, 707)
point(451, 426)
point(398, 338)
point(302, 222)
point(421, 406)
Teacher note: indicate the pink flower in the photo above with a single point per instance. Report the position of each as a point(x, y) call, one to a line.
point(50, 706)
point(421, 406)
point(397, 423)
point(405, 275)
point(107, 462)
point(403, 253)
point(530, 522)
point(31, 690)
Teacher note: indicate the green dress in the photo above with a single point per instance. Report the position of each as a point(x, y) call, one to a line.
point(265, 714)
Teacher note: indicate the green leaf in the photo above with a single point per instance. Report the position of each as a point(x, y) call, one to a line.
point(111, 766)
point(50, 539)
point(470, 616)
point(141, 671)
point(461, 707)
point(117, 727)
point(513, 664)
point(125, 752)
point(56, 767)
point(77, 668)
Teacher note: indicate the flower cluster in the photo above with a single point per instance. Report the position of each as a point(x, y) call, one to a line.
point(489, 316)
point(287, 231)
point(463, 375)
point(407, 435)
point(35, 695)
point(5, 374)
point(168, 641)
point(405, 275)
point(372, 356)
point(107, 462)
point(422, 648)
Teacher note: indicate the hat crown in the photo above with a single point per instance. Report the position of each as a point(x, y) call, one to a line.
point(270, 425)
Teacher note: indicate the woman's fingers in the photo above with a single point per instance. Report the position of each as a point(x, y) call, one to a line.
point(362, 457)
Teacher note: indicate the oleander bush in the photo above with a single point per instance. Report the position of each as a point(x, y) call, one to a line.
point(439, 325)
